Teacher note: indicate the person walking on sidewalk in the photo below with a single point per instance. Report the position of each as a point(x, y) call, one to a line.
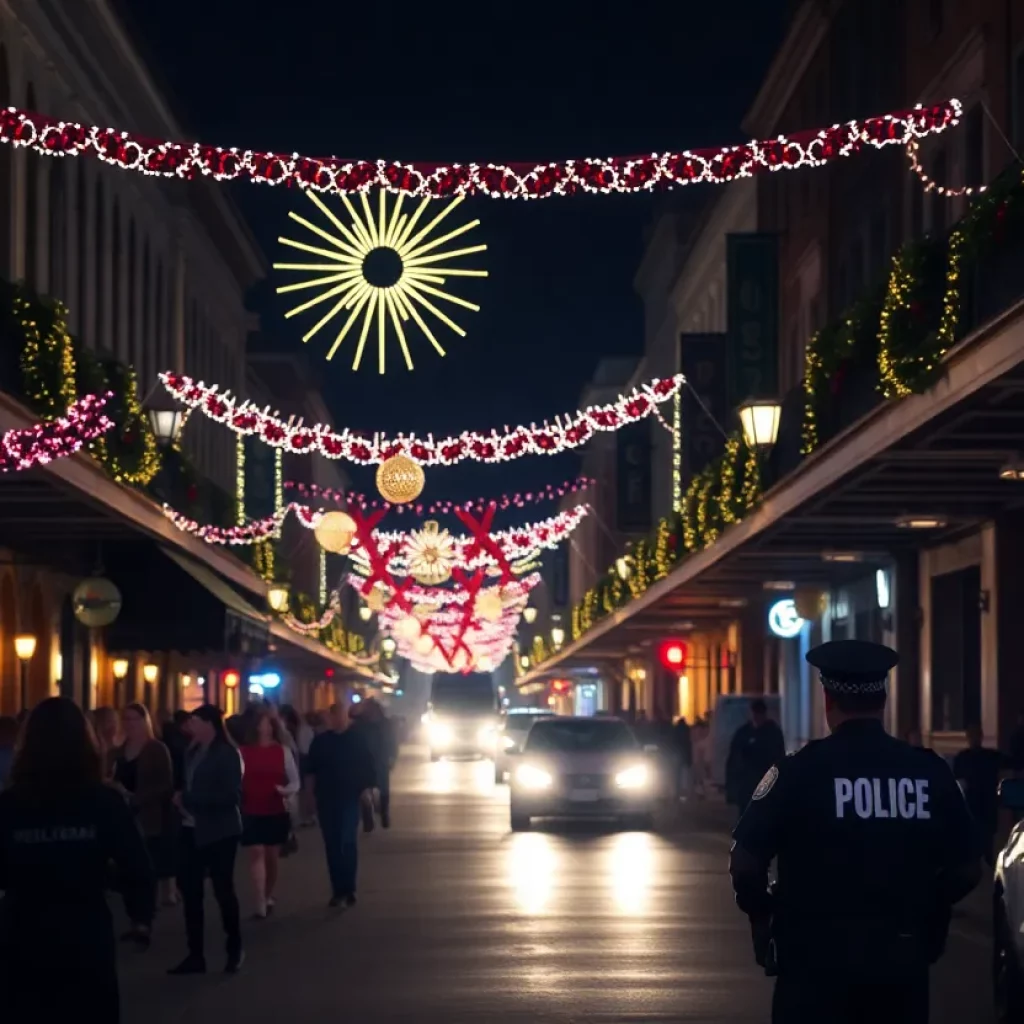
point(378, 734)
point(60, 829)
point(342, 769)
point(271, 778)
point(977, 770)
point(211, 825)
point(755, 747)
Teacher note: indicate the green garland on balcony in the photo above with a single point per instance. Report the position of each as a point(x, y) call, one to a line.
point(56, 371)
point(716, 498)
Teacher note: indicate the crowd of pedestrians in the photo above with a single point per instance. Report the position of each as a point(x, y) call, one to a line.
point(91, 806)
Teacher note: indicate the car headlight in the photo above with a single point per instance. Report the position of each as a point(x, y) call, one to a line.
point(635, 777)
point(508, 743)
point(440, 735)
point(530, 777)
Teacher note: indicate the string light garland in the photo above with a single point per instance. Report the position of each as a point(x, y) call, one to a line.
point(549, 492)
point(130, 151)
point(564, 434)
point(930, 184)
point(382, 270)
point(44, 442)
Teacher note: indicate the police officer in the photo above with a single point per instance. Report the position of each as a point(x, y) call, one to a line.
point(873, 844)
point(60, 829)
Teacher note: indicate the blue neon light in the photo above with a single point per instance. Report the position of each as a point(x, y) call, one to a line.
point(267, 680)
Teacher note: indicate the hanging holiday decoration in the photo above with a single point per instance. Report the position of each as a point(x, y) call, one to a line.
point(400, 480)
point(96, 602)
point(382, 270)
point(430, 554)
point(49, 136)
point(334, 532)
point(55, 439)
point(930, 184)
point(564, 434)
point(550, 492)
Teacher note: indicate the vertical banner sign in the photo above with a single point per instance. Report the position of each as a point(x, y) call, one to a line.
point(633, 476)
point(753, 297)
point(703, 358)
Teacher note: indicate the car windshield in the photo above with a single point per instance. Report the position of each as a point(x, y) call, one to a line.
point(591, 736)
point(522, 723)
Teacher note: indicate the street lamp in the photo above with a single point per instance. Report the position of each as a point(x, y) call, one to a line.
point(388, 646)
point(277, 597)
point(24, 648)
point(529, 615)
point(760, 420)
point(557, 633)
point(365, 612)
point(524, 662)
point(119, 667)
point(166, 418)
point(622, 567)
point(150, 672)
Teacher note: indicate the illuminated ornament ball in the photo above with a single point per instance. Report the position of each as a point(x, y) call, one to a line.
point(379, 271)
point(400, 479)
point(334, 532)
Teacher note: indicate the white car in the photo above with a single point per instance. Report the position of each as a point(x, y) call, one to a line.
point(1008, 916)
point(512, 736)
point(582, 768)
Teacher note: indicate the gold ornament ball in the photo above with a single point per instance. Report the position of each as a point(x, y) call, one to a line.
point(400, 479)
point(423, 645)
point(335, 531)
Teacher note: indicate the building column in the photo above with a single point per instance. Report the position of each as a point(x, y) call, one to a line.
point(1006, 605)
point(750, 675)
point(905, 607)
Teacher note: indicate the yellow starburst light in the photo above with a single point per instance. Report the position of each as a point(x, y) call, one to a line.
point(382, 270)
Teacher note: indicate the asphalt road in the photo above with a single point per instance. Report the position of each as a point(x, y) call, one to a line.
point(461, 921)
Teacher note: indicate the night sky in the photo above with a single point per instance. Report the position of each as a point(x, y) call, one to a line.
point(447, 82)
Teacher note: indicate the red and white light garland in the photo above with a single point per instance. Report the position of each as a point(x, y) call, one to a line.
point(55, 439)
point(133, 152)
point(550, 492)
point(564, 434)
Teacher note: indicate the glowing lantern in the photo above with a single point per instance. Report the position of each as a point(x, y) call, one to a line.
point(335, 531)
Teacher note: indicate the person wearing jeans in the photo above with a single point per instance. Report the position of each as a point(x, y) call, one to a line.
point(343, 771)
point(211, 826)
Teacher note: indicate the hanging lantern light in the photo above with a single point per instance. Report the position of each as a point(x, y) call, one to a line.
point(334, 532)
point(96, 602)
point(400, 479)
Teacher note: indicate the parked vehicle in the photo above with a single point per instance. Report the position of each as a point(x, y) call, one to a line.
point(1008, 916)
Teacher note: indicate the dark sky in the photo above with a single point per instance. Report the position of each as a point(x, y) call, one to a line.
point(463, 81)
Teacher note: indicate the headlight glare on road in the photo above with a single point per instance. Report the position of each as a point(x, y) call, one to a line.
point(634, 777)
point(485, 735)
point(440, 735)
point(508, 743)
point(530, 777)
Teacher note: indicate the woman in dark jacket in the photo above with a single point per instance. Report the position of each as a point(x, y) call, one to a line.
point(60, 828)
point(145, 777)
point(211, 826)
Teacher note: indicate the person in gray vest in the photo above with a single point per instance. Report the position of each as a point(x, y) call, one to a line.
point(874, 844)
point(211, 826)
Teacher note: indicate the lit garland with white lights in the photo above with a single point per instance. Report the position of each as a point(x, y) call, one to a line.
point(550, 492)
point(564, 434)
point(130, 151)
point(83, 423)
point(930, 184)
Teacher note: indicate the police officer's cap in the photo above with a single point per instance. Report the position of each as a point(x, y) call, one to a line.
point(853, 666)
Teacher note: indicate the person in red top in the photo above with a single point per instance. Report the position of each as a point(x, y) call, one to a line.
point(271, 778)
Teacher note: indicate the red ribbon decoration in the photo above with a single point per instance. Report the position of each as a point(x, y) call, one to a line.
point(482, 542)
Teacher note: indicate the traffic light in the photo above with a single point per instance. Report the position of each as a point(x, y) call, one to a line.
point(672, 654)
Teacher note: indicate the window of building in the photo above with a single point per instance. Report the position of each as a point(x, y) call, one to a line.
point(116, 337)
point(101, 284)
point(1018, 100)
point(58, 228)
point(974, 145)
point(32, 200)
point(6, 176)
point(84, 261)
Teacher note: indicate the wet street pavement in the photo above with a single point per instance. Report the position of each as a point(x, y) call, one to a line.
point(461, 921)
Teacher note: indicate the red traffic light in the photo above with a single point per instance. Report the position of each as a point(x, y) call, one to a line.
point(672, 654)
point(231, 678)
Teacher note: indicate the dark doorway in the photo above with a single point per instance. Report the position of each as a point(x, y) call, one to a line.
point(956, 649)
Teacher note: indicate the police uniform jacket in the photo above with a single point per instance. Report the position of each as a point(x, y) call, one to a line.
point(871, 837)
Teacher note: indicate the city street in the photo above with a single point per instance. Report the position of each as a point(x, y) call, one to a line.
point(461, 921)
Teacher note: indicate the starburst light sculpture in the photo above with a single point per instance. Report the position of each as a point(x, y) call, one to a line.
point(383, 270)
